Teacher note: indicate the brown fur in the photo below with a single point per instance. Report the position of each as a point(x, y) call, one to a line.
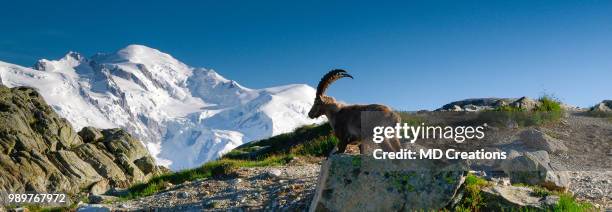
point(352, 123)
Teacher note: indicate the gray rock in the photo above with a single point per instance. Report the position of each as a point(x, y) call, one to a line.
point(501, 103)
point(480, 103)
point(551, 200)
point(99, 187)
point(472, 108)
point(274, 173)
point(501, 198)
point(456, 108)
point(114, 191)
point(90, 134)
point(146, 164)
point(39, 151)
point(604, 106)
point(508, 197)
point(182, 195)
point(20, 209)
point(533, 168)
point(235, 181)
point(360, 183)
point(525, 103)
point(212, 203)
point(538, 140)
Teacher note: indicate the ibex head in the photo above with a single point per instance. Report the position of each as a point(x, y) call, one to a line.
point(322, 102)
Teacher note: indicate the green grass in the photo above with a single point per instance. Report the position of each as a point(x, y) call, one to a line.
point(411, 118)
point(316, 138)
point(473, 200)
point(538, 191)
point(312, 140)
point(41, 208)
point(548, 103)
point(569, 203)
point(566, 201)
point(321, 146)
point(214, 169)
point(508, 108)
point(548, 110)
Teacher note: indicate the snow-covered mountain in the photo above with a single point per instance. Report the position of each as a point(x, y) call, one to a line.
point(184, 115)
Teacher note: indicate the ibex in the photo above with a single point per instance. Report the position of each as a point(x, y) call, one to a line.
point(347, 120)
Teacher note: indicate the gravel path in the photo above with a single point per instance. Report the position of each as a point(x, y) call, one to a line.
point(285, 188)
point(593, 186)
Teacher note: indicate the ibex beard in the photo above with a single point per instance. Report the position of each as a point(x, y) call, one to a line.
point(353, 124)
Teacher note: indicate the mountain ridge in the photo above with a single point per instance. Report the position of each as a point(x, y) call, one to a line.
point(163, 102)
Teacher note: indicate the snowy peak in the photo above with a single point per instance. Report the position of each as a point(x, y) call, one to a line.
point(74, 57)
point(215, 89)
point(184, 115)
point(136, 52)
point(70, 60)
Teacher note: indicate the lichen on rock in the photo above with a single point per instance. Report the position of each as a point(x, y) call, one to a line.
point(40, 152)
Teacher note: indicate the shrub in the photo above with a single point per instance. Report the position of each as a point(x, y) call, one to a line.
point(548, 104)
point(473, 200)
point(547, 111)
point(568, 203)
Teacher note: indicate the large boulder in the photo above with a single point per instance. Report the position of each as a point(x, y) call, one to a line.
point(525, 103)
point(360, 183)
point(90, 134)
point(39, 151)
point(534, 168)
point(508, 197)
point(538, 140)
point(604, 106)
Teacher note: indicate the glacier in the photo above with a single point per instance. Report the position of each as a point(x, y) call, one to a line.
point(184, 115)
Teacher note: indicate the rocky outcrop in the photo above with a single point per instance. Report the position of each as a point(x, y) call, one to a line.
point(538, 140)
point(603, 106)
point(478, 104)
point(534, 168)
point(475, 104)
point(525, 103)
point(359, 183)
point(39, 151)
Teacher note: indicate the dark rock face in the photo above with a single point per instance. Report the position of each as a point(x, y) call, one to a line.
point(39, 151)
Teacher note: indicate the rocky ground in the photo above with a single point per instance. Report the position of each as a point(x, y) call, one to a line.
point(592, 186)
point(286, 188)
point(573, 154)
point(292, 187)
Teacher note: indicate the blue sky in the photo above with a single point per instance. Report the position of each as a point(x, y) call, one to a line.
point(407, 54)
